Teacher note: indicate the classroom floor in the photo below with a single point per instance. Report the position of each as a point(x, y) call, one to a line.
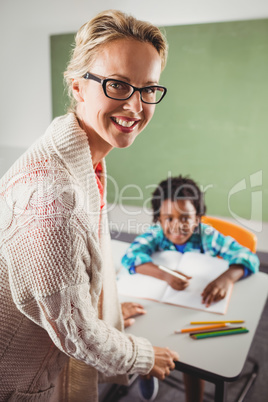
point(174, 390)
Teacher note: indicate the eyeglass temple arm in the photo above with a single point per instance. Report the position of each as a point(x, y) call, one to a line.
point(89, 76)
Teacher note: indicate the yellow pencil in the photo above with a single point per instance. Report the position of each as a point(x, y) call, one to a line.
point(217, 322)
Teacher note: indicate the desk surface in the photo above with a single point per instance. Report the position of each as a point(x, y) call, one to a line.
point(222, 357)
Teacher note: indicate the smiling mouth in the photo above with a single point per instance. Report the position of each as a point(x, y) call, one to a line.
point(124, 123)
point(178, 235)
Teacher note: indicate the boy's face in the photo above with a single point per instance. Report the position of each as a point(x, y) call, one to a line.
point(178, 220)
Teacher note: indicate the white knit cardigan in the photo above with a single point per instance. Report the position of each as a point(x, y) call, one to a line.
point(55, 260)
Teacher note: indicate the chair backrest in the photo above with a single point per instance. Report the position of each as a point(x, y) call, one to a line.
point(240, 234)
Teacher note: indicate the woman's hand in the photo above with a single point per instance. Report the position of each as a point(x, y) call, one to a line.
point(130, 310)
point(163, 362)
point(217, 289)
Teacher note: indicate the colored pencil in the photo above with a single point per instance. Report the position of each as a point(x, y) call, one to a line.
point(224, 330)
point(217, 322)
point(215, 330)
point(219, 333)
point(205, 327)
point(173, 273)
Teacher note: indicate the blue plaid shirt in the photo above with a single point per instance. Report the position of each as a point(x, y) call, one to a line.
point(210, 242)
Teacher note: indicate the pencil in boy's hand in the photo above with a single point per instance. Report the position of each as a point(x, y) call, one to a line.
point(174, 273)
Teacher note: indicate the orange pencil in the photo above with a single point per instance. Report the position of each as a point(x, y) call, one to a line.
point(217, 322)
point(181, 331)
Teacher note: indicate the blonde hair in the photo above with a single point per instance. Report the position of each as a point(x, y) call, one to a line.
point(105, 27)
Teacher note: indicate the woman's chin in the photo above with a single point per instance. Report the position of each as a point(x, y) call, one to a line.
point(124, 142)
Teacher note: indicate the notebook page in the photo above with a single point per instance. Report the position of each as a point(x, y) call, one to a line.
point(141, 286)
point(144, 286)
point(203, 269)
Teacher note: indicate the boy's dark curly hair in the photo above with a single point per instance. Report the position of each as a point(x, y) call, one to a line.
point(177, 188)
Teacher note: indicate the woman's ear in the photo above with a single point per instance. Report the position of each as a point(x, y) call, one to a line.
point(77, 90)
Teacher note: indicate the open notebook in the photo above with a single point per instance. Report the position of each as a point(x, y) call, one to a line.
point(203, 269)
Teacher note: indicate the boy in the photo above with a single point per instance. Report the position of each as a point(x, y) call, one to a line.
point(178, 206)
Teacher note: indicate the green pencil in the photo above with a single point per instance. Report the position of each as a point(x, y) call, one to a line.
point(215, 330)
point(220, 333)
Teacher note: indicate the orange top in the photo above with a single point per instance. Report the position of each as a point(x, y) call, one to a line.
point(98, 173)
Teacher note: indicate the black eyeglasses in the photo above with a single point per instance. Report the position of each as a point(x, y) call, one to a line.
point(120, 90)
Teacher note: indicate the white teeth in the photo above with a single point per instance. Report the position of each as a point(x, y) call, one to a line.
point(124, 123)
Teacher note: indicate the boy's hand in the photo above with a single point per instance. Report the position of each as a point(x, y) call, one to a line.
point(153, 270)
point(177, 283)
point(163, 362)
point(217, 289)
point(130, 310)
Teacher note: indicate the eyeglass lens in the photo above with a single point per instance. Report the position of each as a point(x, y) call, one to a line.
point(121, 90)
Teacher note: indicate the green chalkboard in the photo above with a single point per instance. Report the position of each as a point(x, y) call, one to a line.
point(212, 125)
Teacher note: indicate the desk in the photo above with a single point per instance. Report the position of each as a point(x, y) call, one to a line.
point(217, 360)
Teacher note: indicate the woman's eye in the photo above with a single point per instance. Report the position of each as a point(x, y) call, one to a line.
point(120, 88)
point(115, 85)
point(149, 90)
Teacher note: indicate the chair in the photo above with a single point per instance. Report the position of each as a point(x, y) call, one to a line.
point(240, 234)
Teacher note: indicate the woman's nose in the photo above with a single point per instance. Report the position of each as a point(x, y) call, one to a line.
point(134, 103)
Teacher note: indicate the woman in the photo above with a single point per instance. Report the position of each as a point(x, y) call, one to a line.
point(58, 298)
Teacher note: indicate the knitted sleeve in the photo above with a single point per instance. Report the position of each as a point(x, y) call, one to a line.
point(52, 288)
point(55, 278)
